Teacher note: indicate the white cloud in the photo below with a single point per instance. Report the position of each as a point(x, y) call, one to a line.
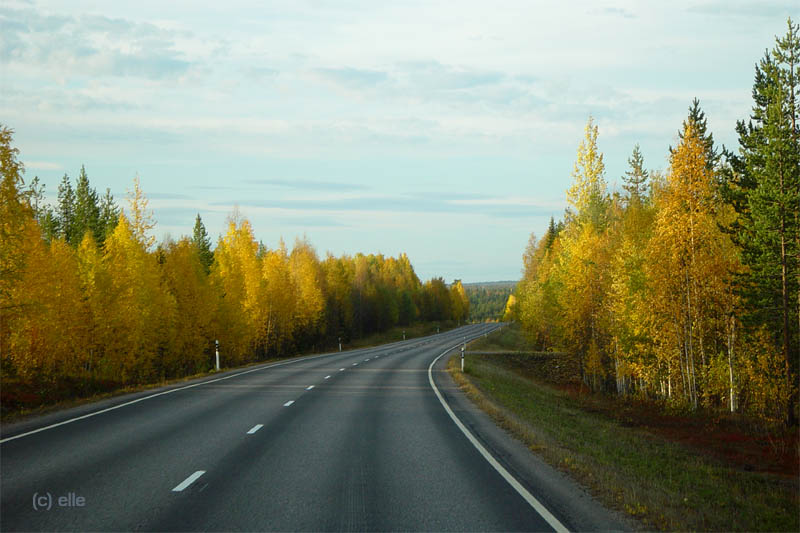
point(42, 165)
point(403, 96)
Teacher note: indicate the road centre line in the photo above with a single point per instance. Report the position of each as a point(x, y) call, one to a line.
point(355, 364)
point(255, 428)
point(112, 408)
point(170, 391)
point(327, 377)
point(287, 404)
point(310, 387)
point(521, 490)
point(188, 481)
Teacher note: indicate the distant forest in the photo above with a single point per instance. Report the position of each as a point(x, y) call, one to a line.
point(87, 295)
point(487, 301)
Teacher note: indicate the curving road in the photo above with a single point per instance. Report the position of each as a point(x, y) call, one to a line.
point(351, 441)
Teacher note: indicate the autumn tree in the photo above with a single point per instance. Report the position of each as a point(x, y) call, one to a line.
point(191, 339)
point(690, 261)
point(586, 258)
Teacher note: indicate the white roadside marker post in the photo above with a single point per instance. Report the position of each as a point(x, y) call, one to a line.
point(404, 334)
point(216, 351)
point(340, 344)
point(462, 359)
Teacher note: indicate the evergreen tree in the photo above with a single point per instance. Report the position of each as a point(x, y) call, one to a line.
point(66, 209)
point(765, 185)
point(636, 178)
point(697, 120)
point(202, 243)
point(87, 210)
point(108, 217)
point(35, 195)
point(552, 233)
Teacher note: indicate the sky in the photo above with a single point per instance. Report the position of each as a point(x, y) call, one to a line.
point(445, 130)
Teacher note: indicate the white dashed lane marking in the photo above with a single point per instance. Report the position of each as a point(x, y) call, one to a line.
point(188, 481)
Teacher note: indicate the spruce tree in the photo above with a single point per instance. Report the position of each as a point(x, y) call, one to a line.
point(66, 209)
point(108, 217)
point(764, 187)
point(202, 243)
point(635, 179)
point(697, 119)
point(87, 210)
point(552, 233)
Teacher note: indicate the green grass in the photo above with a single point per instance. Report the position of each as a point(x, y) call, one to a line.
point(663, 484)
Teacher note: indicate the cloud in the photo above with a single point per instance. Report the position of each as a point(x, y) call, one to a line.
point(411, 203)
point(619, 11)
point(310, 185)
point(745, 8)
point(168, 196)
point(352, 77)
point(89, 45)
point(42, 165)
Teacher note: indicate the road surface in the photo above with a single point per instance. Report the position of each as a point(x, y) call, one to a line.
point(351, 441)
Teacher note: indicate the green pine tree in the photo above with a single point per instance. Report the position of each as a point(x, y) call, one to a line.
point(202, 243)
point(108, 217)
point(697, 118)
point(66, 209)
point(87, 210)
point(763, 185)
point(635, 179)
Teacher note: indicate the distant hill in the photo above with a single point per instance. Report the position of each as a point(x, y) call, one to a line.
point(487, 300)
point(491, 284)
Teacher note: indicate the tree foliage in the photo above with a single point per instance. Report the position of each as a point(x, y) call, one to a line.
point(94, 300)
point(687, 288)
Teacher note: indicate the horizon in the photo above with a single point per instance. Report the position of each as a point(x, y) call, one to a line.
point(369, 128)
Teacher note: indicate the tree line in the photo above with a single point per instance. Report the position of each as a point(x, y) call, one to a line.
point(487, 300)
point(87, 294)
point(684, 285)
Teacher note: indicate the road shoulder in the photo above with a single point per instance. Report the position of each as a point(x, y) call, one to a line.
point(561, 495)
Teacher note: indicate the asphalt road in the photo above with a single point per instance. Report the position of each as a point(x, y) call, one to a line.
point(351, 441)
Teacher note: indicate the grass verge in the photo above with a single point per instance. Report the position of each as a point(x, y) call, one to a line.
point(663, 484)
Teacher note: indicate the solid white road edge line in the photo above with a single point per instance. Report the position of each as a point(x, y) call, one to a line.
point(188, 481)
point(527, 496)
point(287, 404)
point(255, 428)
point(95, 413)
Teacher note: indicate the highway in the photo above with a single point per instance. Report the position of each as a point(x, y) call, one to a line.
point(375, 439)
